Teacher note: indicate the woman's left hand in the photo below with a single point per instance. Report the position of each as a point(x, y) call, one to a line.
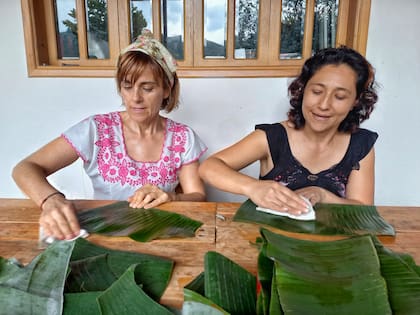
point(149, 196)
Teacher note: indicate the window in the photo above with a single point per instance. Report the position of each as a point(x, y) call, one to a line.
point(209, 38)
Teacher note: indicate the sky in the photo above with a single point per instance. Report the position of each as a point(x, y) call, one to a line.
point(215, 20)
point(63, 8)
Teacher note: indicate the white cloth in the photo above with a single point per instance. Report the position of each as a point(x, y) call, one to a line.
point(308, 216)
point(99, 142)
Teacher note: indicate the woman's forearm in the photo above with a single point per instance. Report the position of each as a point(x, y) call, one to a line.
point(32, 180)
point(216, 173)
point(194, 196)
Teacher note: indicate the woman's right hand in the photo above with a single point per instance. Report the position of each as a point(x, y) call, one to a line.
point(274, 195)
point(58, 218)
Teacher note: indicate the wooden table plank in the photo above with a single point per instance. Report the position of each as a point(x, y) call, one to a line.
point(22, 250)
point(403, 219)
point(18, 210)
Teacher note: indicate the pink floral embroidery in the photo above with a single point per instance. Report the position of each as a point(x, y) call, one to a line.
point(179, 139)
point(115, 166)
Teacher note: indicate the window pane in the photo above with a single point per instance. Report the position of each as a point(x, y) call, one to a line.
point(325, 24)
point(97, 29)
point(173, 27)
point(292, 28)
point(141, 17)
point(246, 28)
point(67, 41)
point(215, 28)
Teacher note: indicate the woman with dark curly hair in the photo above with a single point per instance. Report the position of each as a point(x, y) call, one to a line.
point(320, 152)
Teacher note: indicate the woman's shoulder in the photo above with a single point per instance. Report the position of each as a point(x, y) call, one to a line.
point(362, 134)
point(107, 118)
point(177, 127)
point(361, 143)
point(112, 118)
point(275, 131)
point(272, 126)
point(182, 138)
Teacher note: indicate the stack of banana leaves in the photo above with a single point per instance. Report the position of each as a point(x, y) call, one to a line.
point(78, 277)
point(351, 276)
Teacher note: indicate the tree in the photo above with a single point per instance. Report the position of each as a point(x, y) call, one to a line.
point(97, 28)
point(324, 34)
point(97, 13)
point(71, 26)
point(247, 24)
point(293, 13)
point(138, 22)
point(325, 19)
point(97, 19)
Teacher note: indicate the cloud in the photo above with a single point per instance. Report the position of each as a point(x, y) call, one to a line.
point(215, 14)
point(175, 11)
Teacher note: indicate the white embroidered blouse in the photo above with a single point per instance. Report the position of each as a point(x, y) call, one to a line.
point(99, 142)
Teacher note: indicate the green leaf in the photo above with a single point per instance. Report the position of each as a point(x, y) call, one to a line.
point(275, 306)
point(229, 285)
point(143, 225)
point(81, 303)
point(403, 280)
point(8, 268)
point(153, 273)
point(265, 277)
point(196, 304)
point(90, 274)
point(126, 297)
point(197, 285)
point(331, 219)
point(334, 277)
point(223, 288)
point(38, 287)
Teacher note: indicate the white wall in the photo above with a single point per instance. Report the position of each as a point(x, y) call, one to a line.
point(35, 110)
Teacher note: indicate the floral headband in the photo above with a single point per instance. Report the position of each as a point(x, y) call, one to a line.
point(152, 47)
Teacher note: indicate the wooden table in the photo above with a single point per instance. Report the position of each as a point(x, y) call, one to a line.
point(19, 237)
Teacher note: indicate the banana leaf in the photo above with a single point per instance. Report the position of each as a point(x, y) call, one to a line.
point(331, 219)
point(402, 278)
point(335, 277)
point(79, 266)
point(195, 303)
point(90, 274)
point(142, 225)
point(126, 297)
point(154, 274)
point(81, 303)
point(268, 302)
point(228, 288)
point(229, 285)
point(275, 306)
point(197, 285)
point(38, 287)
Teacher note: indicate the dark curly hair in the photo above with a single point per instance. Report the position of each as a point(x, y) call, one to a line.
point(365, 86)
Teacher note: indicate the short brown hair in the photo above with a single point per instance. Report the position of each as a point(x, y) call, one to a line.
point(132, 64)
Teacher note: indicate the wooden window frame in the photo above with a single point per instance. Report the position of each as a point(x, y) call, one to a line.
point(41, 51)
